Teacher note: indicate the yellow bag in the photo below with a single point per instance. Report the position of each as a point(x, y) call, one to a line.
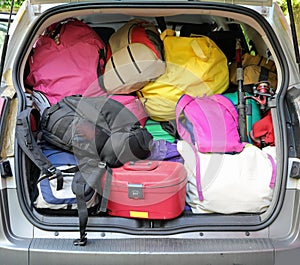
point(256, 68)
point(194, 66)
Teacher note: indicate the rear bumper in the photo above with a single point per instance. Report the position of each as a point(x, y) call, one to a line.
point(153, 251)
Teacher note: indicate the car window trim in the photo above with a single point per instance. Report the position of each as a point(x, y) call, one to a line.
point(6, 39)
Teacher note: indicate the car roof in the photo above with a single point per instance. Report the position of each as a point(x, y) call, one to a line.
point(238, 2)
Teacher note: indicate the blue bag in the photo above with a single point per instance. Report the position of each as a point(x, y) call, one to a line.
point(49, 196)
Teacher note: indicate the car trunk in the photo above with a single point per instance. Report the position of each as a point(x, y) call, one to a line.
point(184, 18)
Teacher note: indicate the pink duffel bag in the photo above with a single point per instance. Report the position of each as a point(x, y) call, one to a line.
point(134, 104)
point(67, 60)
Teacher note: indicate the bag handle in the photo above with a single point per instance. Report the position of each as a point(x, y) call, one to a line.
point(194, 44)
point(273, 178)
point(198, 49)
point(198, 174)
point(143, 165)
point(166, 33)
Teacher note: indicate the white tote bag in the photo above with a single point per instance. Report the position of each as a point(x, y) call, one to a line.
point(230, 183)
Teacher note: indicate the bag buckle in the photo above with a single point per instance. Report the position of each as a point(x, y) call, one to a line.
point(80, 241)
point(52, 173)
point(102, 164)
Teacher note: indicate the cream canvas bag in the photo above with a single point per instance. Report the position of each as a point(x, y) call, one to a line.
point(231, 183)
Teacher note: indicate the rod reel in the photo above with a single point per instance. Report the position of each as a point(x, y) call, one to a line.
point(262, 92)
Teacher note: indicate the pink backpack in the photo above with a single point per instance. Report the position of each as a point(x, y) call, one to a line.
point(209, 124)
point(67, 60)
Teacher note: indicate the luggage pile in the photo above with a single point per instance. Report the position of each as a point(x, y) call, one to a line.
point(143, 124)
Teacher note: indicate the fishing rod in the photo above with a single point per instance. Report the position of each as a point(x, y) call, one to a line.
point(241, 93)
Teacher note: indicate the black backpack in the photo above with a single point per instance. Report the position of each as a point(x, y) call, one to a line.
point(101, 132)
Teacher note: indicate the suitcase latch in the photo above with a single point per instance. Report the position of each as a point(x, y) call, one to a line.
point(135, 191)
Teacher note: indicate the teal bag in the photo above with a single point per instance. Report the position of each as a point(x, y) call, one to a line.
point(253, 113)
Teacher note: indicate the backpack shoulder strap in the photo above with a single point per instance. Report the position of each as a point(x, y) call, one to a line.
point(81, 183)
point(30, 147)
point(227, 103)
point(181, 104)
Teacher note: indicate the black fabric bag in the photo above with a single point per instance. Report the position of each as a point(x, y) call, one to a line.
point(102, 134)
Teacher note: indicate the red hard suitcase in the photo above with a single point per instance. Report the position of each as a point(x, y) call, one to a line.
point(148, 189)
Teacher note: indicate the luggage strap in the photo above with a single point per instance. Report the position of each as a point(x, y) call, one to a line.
point(181, 104)
point(29, 145)
point(79, 190)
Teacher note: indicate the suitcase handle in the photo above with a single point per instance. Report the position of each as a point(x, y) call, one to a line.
point(144, 165)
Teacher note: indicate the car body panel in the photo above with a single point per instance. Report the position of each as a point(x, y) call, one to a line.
point(14, 248)
point(28, 237)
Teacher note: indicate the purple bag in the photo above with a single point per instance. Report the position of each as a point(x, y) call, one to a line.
point(164, 150)
point(210, 123)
